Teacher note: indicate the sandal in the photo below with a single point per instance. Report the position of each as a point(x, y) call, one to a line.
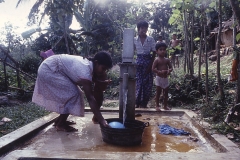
point(66, 128)
point(67, 123)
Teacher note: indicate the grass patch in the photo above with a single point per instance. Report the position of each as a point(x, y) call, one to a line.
point(20, 115)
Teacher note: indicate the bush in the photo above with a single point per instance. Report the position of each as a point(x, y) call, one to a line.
point(30, 64)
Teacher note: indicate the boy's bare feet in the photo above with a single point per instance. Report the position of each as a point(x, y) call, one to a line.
point(167, 108)
point(158, 108)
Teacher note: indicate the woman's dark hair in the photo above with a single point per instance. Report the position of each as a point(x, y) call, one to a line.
point(161, 44)
point(142, 24)
point(103, 58)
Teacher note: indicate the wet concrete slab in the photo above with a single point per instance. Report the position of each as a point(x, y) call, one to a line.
point(87, 143)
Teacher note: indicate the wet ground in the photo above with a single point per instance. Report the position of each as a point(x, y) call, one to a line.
point(89, 137)
point(88, 143)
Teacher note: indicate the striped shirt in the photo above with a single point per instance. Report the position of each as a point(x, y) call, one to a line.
point(147, 47)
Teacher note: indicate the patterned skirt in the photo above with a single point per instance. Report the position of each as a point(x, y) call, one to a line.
point(55, 91)
point(144, 82)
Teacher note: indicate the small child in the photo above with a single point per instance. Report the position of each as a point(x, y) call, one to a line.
point(162, 67)
point(174, 43)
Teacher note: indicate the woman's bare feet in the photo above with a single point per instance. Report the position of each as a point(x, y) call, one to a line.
point(95, 120)
point(66, 128)
point(67, 123)
point(167, 108)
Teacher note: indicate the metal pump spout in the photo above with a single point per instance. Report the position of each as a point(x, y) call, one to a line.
point(127, 77)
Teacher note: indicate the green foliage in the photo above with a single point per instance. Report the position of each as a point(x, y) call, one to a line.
point(238, 37)
point(20, 116)
point(184, 90)
point(41, 43)
point(197, 39)
point(212, 4)
point(11, 78)
point(161, 14)
point(30, 64)
point(112, 91)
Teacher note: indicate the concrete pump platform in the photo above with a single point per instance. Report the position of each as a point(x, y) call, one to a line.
point(40, 140)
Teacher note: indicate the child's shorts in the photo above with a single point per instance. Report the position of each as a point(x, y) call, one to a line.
point(161, 82)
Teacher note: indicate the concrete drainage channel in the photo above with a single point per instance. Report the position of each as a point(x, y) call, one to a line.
point(39, 140)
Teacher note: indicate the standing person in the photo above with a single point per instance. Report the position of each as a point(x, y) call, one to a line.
point(162, 67)
point(144, 45)
point(174, 43)
point(57, 86)
point(160, 39)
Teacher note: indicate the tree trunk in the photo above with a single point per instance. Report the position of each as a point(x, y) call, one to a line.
point(15, 62)
point(186, 44)
point(220, 86)
point(237, 58)
point(234, 31)
point(206, 62)
point(192, 45)
point(5, 76)
point(200, 52)
point(186, 41)
point(18, 76)
point(189, 44)
point(236, 9)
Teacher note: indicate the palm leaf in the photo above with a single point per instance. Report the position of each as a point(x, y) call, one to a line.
point(18, 3)
point(34, 9)
point(46, 10)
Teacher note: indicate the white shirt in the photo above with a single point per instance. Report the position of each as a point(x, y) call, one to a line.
point(147, 47)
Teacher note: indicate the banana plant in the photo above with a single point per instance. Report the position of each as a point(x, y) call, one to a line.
point(60, 14)
point(84, 17)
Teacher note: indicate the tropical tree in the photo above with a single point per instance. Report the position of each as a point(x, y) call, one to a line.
point(220, 86)
point(60, 14)
point(13, 50)
point(99, 23)
point(183, 19)
point(236, 9)
point(160, 18)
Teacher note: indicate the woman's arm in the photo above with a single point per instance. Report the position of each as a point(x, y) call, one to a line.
point(100, 85)
point(87, 88)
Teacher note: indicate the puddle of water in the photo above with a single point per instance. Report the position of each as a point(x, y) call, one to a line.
point(153, 141)
point(89, 137)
